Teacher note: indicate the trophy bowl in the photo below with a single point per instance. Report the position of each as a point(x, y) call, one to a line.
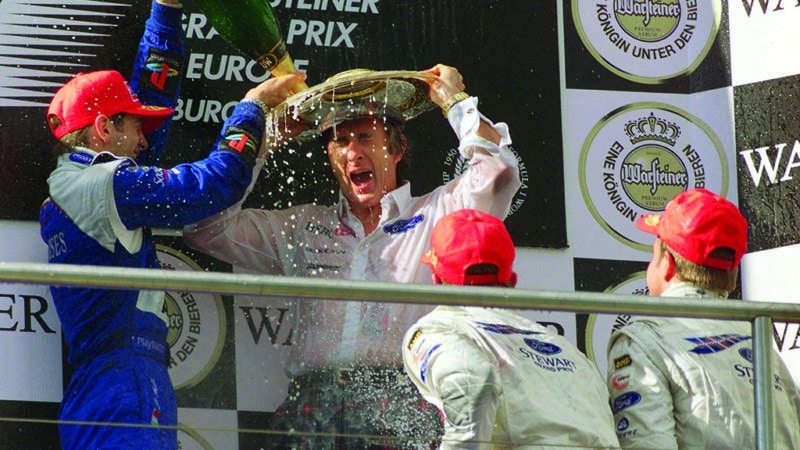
point(352, 94)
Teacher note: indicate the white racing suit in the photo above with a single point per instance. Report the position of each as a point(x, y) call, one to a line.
point(329, 242)
point(503, 381)
point(688, 383)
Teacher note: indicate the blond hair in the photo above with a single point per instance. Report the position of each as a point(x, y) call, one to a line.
point(717, 280)
point(80, 137)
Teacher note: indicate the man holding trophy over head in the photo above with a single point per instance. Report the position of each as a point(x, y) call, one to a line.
point(348, 387)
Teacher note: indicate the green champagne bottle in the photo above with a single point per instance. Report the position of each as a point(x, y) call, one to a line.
point(250, 27)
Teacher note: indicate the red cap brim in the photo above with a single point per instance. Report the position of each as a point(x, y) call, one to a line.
point(649, 223)
point(152, 116)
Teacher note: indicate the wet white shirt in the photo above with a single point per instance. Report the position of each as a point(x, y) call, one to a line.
point(329, 242)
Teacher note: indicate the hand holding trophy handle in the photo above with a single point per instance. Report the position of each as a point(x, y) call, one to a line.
point(250, 27)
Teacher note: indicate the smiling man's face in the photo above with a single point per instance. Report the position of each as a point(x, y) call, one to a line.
point(364, 167)
point(126, 139)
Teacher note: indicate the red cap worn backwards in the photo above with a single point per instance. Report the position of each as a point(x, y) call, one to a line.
point(697, 222)
point(468, 237)
point(106, 92)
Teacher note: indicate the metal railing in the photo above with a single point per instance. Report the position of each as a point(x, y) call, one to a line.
point(760, 314)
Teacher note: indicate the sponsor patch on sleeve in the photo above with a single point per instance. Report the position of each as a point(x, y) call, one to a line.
point(414, 338)
point(625, 401)
point(623, 361)
point(620, 382)
point(423, 369)
point(240, 141)
point(161, 72)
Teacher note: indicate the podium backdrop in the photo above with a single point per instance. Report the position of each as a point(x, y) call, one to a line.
point(612, 113)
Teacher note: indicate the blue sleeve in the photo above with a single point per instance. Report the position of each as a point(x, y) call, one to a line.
point(187, 193)
point(158, 71)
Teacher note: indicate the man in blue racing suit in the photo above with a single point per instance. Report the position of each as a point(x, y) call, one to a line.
point(100, 210)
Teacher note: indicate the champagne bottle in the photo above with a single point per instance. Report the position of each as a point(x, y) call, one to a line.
point(250, 27)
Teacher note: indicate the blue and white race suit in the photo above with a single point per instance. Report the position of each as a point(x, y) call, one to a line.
point(99, 212)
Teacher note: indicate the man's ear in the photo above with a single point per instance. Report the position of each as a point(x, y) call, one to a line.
point(513, 280)
point(669, 274)
point(399, 155)
point(102, 128)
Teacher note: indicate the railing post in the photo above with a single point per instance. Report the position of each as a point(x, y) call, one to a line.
point(762, 383)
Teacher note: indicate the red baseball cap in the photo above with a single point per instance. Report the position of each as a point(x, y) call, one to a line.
point(468, 237)
point(106, 92)
point(697, 222)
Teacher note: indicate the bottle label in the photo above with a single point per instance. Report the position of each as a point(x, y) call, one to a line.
point(271, 59)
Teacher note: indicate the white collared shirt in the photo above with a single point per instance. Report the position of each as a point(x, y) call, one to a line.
point(329, 242)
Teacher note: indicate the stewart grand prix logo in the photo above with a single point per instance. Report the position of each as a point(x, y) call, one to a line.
point(648, 41)
point(640, 156)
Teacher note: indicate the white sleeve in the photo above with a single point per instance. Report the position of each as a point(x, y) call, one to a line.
point(248, 238)
point(453, 373)
point(464, 117)
point(641, 399)
point(491, 177)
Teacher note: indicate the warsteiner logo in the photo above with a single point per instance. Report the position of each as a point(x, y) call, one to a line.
point(455, 165)
point(648, 21)
point(652, 173)
point(648, 41)
point(196, 331)
point(640, 156)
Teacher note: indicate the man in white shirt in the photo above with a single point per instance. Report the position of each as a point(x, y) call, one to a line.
point(345, 366)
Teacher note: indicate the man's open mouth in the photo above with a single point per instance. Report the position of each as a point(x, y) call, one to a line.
point(361, 178)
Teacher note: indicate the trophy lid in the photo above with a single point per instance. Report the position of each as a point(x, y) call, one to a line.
point(354, 94)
